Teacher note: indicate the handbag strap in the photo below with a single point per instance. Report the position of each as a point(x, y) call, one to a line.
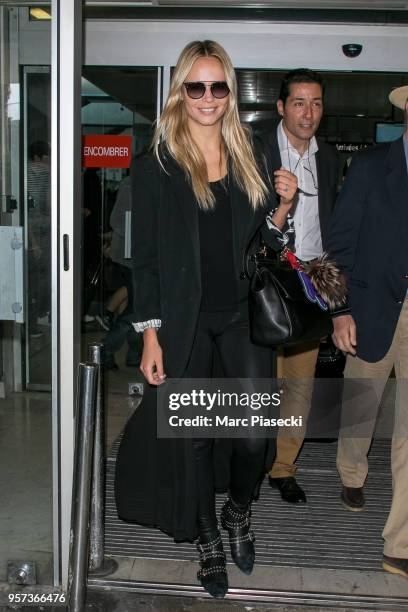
point(252, 251)
point(256, 253)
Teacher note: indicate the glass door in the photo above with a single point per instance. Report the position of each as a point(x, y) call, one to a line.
point(26, 419)
point(119, 108)
point(37, 226)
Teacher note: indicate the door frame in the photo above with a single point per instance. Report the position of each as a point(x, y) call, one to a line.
point(66, 63)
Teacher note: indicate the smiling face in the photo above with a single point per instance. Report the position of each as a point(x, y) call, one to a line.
point(206, 111)
point(302, 113)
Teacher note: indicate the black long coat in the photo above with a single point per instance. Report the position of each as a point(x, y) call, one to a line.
point(368, 238)
point(166, 252)
point(155, 480)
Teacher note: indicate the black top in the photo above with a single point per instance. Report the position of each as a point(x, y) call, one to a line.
point(218, 278)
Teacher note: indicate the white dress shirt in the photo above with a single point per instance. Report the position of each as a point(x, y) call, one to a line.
point(304, 215)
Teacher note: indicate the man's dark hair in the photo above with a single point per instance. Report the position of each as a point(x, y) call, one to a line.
point(299, 75)
point(40, 148)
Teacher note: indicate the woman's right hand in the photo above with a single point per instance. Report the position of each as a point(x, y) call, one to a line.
point(151, 364)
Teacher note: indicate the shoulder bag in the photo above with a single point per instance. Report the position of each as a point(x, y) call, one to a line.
point(285, 308)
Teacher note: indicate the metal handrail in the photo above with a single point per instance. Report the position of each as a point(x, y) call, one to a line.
point(96, 535)
point(99, 565)
point(81, 496)
point(88, 498)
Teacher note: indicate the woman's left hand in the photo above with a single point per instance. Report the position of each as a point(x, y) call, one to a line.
point(286, 185)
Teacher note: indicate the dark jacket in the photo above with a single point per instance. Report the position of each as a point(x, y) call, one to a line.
point(368, 238)
point(166, 252)
point(328, 175)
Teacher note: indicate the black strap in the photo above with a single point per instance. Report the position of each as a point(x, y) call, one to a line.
point(258, 253)
point(250, 253)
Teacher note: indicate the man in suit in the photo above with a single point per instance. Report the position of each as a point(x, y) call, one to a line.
point(293, 145)
point(368, 238)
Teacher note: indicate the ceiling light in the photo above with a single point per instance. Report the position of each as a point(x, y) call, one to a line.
point(40, 13)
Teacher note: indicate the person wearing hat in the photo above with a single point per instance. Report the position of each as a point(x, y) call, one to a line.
point(368, 239)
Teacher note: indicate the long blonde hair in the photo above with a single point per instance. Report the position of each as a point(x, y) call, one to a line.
point(172, 129)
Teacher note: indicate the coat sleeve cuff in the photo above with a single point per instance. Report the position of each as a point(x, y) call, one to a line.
point(280, 236)
point(140, 327)
point(342, 310)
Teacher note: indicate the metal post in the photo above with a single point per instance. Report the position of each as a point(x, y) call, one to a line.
point(85, 420)
point(98, 564)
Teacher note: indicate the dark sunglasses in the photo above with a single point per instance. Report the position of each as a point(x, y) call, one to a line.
point(196, 89)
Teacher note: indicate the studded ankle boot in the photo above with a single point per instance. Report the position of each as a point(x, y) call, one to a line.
point(236, 520)
point(213, 572)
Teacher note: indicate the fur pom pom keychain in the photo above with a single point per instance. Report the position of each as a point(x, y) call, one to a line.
point(324, 275)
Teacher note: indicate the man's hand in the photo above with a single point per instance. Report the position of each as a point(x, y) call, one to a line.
point(345, 334)
point(152, 358)
point(285, 186)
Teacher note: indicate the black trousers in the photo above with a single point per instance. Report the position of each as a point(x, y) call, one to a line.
point(227, 333)
point(122, 328)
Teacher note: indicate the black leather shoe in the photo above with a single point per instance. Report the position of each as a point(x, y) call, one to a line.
point(213, 572)
point(236, 520)
point(353, 498)
point(396, 565)
point(289, 489)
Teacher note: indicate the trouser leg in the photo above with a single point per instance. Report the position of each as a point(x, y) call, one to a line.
point(395, 531)
point(241, 358)
point(247, 467)
point(296, 366)
point(125, 320)
point(203, 449)
point(115, 338)
point(359, 416)
point(199, 366)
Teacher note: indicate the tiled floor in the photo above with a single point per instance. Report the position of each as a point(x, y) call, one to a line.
point(25, 482)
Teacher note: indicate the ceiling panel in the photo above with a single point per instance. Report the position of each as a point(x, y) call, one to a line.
point(135, 88)
point(295, 4)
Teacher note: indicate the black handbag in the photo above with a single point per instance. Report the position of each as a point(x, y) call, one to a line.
point(280, 312)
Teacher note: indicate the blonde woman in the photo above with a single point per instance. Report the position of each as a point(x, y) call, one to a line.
point(198, 198)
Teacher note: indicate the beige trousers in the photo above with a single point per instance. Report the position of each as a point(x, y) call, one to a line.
point(298, 365)
point(352, 452)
